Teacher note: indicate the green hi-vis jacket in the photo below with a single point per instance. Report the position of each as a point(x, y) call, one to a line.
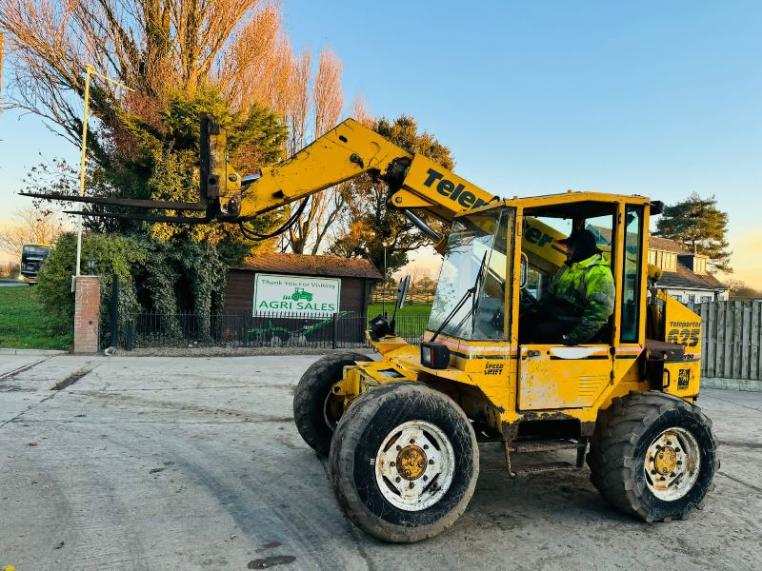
point(583, 292)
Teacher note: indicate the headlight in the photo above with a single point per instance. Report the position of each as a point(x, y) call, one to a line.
point(435, 355)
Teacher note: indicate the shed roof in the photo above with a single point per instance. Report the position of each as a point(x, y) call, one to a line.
point(333, 266)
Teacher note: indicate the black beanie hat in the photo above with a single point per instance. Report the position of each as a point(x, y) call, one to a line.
point(584, 244)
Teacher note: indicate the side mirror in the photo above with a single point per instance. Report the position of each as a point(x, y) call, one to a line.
point(380, 327)
point(402, 292)
point(524, 271)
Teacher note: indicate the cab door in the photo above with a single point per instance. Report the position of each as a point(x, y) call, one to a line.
point(556, 376)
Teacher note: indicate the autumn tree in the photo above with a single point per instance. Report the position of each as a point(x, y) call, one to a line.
point(311, 227)
point(228, 58)
point(372, 229)
point(157, 48)
point(166, 51)
point(29, 226)
point(700, 227)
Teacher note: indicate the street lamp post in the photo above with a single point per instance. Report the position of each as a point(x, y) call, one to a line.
point(82, 163)
point(89, 72)
point(383, 298)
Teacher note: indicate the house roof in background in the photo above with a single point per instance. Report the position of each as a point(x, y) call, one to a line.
point(666, 245)
point(331, 266)
point(684, 278)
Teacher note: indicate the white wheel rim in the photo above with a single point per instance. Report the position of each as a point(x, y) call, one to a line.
point(672, 464)
point(415, 465)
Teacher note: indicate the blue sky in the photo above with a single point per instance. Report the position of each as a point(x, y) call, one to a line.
point(656, 98)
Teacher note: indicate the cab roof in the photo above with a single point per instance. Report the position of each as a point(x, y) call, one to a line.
point(566, 204)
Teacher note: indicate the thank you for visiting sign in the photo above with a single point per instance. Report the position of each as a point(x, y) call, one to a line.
point(296, 294)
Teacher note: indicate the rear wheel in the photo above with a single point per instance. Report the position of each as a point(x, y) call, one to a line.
point(653, 456)
point(404, 462)
point(316, 410)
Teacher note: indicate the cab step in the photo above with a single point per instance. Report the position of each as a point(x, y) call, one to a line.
point(532, 469)
point(530, 446)
point(535, 446)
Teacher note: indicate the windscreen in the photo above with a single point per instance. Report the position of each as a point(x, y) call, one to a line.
point(473, 276)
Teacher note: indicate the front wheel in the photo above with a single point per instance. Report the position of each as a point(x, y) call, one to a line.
point(404, 462)
point(653, 456)
point(316, 409)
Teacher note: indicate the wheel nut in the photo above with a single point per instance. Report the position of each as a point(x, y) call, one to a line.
point(391, 463)
point(412, 485)
point(431, 461)
point(425, 478)
point(412, 441)
point(398, 447)
point(397, 479)
point(425, 446)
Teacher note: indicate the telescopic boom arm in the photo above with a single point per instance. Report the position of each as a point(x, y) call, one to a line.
point(342, 154)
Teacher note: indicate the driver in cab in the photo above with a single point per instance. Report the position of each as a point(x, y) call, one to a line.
point(580, 298)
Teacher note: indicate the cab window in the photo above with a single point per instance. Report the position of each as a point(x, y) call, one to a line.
point(633, 232)
point(542, 229)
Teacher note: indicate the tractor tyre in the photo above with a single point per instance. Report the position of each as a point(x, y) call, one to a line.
point(653, 456)
point(315, 414)
point(404, 462)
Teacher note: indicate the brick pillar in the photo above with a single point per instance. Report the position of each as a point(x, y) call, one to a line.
point(87, 307)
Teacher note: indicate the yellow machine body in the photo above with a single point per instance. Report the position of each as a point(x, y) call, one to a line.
point(506, 382)
point(500, 380)
point(629, 388)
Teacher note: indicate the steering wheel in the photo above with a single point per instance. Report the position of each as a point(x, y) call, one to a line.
point(527, 302)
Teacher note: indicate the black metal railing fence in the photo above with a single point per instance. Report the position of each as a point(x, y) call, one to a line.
point(338, 330)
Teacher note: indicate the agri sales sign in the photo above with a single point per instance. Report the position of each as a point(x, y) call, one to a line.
point(296, 294)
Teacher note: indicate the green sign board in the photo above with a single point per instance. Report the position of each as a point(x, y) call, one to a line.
point(296, 294)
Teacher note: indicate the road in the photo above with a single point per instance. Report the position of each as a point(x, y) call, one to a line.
point(194, 463)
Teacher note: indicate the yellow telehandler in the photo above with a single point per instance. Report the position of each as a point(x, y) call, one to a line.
point(401, 432)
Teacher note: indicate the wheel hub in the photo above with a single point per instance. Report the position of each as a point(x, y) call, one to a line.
point(665, 460)
point(411, 462)
point(672, 464)
point(414, 465)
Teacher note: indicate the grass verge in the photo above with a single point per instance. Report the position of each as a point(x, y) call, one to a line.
point(411, 319)
point(25, 325)
point(422, 309)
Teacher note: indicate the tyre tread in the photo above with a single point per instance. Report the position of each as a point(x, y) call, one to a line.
point(348, 435)
point(311, 388)
point(618, 431)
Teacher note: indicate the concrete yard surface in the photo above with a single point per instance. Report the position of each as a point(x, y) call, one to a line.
point(195, 463)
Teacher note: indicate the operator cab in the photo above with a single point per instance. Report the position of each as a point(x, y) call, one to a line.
point(486, 290)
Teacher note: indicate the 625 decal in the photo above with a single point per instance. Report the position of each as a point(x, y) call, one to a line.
point(687, 336)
